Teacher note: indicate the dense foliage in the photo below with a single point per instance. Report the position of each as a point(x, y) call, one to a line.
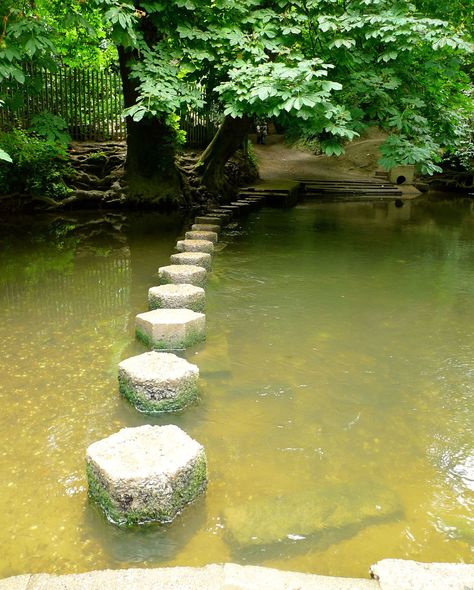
point(328, 68)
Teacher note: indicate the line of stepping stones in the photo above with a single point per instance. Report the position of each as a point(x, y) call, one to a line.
point(149, 473)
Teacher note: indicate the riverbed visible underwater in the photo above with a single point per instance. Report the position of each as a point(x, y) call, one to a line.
point(336, 391)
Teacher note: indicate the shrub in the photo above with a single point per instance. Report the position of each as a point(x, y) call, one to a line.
point(38, 166)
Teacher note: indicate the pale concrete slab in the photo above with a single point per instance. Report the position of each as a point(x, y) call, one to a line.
point(188, 274)
point(211, 577)
point(177, 296)
point(16, 582)
point(400, 574)
point(195, 246)
point(203, 259)
point(158, 382)
point(170, 329)
point(144, 474)
point(211, 236)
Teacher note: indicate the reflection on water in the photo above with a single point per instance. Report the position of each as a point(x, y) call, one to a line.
point(339, 351)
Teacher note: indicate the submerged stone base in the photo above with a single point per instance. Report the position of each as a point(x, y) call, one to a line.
point(177, 296)
point(189, 274)
point(158, 382)
point(335, 510)
point(214, 219)
point(170, 329)
point(195, 246)
point(194, 258)
point(145, 474)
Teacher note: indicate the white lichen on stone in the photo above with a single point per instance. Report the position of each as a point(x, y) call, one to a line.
point(158, 381)
point(195, 246)
point(211, 236)
point(173, 296)
point(194, 258)
point(183, 273)
point(145, 474)
point(170, 329)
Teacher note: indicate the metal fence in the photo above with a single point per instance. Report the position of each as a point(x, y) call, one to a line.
point(91, 103)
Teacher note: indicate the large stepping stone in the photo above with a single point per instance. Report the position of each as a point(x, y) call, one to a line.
point(158, 382)
point(326, 514)
point(226, 216)
point(177, 296)
point(170, 329)
point(183, 273)
point(194, 258)
point(202, 235)
point(206, 227)
point(145, 474)
point(195, 246)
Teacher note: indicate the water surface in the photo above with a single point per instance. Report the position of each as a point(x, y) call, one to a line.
point(339, 352)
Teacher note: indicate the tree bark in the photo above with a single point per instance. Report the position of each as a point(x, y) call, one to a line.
point(150, 168)
point(228, 138)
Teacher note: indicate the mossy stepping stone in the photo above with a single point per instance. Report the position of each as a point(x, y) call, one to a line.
point(170, 329)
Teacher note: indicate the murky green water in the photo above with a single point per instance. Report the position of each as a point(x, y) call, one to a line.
point(337, 388)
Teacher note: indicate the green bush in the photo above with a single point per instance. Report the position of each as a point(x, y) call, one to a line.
point(38, 165)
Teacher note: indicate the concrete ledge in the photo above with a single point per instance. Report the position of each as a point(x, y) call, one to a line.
point(399, 574)
point(228, 576)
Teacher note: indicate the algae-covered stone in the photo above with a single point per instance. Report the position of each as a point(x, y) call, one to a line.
point(177, 296)
point(194, 258)
point(211, 236)
point(195, 246)
point(170, 329)
point(189, 274)
point(206, 227)
point(145, 474)
point(283, 519)
point(158, 382)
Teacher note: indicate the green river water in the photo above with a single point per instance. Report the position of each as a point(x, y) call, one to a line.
point(336, 388)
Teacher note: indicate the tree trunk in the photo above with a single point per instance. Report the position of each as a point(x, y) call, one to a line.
point(150, 168)
point(229, 138)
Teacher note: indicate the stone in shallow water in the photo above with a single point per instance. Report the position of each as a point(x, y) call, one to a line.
point(195, 246)
point(211, 236)
point(145, 474)
point(158, 382)
point(214, 219)
point(194, 258)
point(206, 227)
point(183, 273)
point(177, 296)
point(292, 518)
point(170, 329)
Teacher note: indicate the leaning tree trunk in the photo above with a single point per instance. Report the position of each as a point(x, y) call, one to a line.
point(227, 140)
point(150, 168)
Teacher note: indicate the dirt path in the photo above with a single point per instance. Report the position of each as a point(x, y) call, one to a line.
point(278, 161)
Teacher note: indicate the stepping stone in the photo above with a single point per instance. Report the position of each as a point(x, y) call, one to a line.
point(206, 227)
point(195, 246)
point(170, 329)
point(202, 259)
point(158, 382)
point(234, 210)
point(177, 296)
point(226, 216)
point(216, 220)
point(183, 273)
point(145, 474)
point(211, 236)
